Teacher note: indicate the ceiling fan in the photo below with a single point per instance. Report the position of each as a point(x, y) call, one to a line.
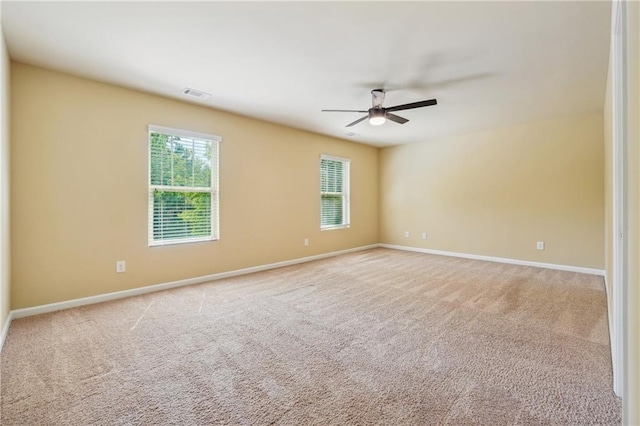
point(378, 114)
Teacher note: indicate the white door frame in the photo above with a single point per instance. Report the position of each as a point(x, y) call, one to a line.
point(619, 124)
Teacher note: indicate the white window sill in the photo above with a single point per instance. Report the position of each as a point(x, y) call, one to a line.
point(175, 242)
point(331, 228)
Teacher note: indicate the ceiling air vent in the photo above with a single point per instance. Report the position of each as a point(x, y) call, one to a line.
point(195, 93)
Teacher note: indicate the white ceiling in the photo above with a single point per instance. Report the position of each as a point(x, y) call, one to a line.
point(489, 64)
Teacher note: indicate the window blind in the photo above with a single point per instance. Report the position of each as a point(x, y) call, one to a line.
point(183, 186)
point(334, 192)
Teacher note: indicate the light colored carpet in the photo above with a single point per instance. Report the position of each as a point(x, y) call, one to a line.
point(373, 337)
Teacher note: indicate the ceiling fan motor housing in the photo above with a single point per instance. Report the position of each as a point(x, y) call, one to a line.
point(377, 112)
point(377, 115)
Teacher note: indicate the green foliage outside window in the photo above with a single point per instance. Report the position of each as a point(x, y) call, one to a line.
point(331, 209)
point(180, 163)
point(333, 182)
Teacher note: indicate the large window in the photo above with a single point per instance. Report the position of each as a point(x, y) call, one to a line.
point(334, 192)
point(183, 186)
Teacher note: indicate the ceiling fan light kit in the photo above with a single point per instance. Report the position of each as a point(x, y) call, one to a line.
point(378, 115)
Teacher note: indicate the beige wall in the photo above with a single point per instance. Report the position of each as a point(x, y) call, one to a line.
point(497, 192)
point(4, 183)
point(79, 190)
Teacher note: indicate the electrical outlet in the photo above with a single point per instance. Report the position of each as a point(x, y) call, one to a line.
point(424, 235)
point(540, 245)
point(406, 234)
point(306, 242)
point(121, 266)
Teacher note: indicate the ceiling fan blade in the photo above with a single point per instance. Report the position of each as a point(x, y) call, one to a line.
point(357, 121)
point(344, 110)
point(396, 118)
point(413, 105)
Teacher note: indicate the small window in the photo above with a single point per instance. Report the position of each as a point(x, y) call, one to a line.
point(334, 192)
point(183, 186)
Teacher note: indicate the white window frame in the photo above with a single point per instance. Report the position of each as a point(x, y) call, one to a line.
point(213, 189)
point(346, 191)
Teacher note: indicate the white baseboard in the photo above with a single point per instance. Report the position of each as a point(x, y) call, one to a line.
point(499, 259)
point(5, 330)
point(36, 310)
